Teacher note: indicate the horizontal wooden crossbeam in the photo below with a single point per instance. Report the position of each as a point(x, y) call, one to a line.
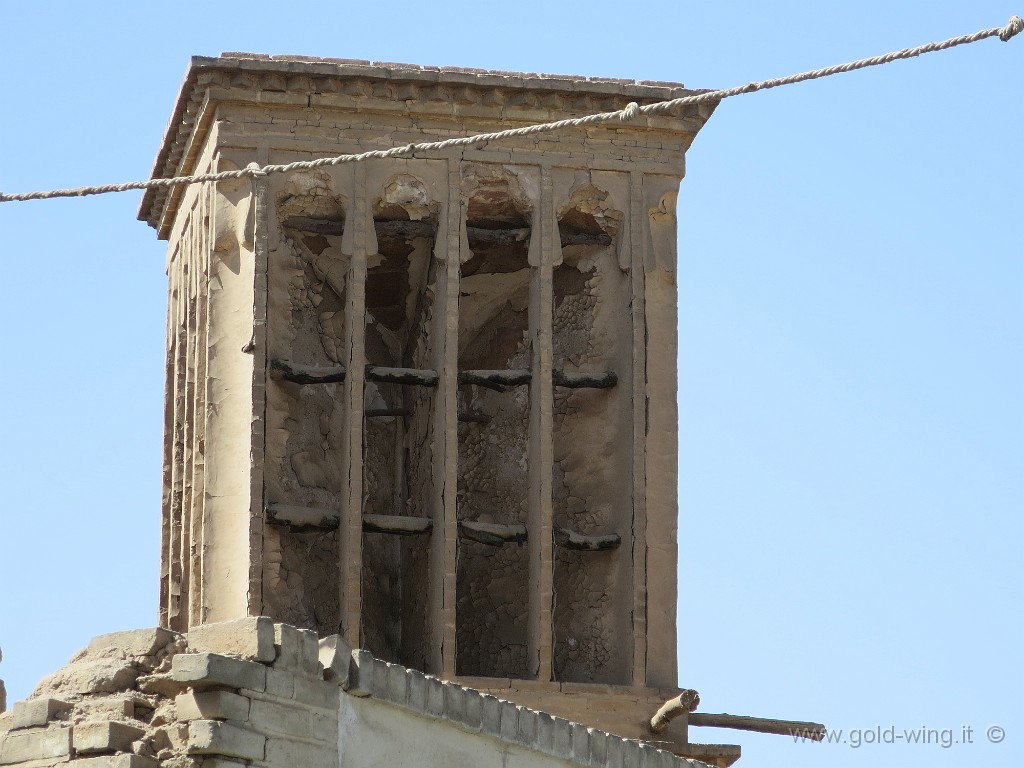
point(300, 373)
point(379, 412)
point(569, 539)
point(400, 525)
point(299, 518)
point(475, 417)
point(513, 377)
point(496, 380)
point(414, 376)
point(415, 229)
point(493, 534)
point(597, 380)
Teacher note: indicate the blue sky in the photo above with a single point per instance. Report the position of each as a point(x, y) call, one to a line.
point(851, 338)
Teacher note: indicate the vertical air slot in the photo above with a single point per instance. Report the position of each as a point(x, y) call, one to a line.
point(493, 411)
point(304, 476)
point(592, 441)
point(399, 399)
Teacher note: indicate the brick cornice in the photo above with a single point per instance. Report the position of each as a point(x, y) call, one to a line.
point(515, 97)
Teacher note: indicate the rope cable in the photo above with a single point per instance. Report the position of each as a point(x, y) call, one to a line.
point(630, 112)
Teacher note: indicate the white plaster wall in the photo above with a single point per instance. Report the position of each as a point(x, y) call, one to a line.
point(372, 734)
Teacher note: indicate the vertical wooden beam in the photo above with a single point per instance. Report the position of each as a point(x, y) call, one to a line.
point(357, 242)
point(639, 374)
point(262, 210)
point(545, 244)
point(451, 247)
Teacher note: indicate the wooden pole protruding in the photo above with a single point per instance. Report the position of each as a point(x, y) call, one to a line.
point(598, 380)
point(399, 525)
point(474, 417)
point(813, 731)
point(496, 380)
point(682, 704)
point(301, 373)
point(381, 412)
point(420, 377)
point(569, 539)
point(300, 519)
point(314, 225)
point(493, 534)
point(479, 236)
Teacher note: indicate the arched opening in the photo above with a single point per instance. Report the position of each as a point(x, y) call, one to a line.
point(397, 423)
point(591, 440)
point(304, 424)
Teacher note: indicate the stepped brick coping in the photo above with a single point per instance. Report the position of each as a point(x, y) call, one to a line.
point(483, 713)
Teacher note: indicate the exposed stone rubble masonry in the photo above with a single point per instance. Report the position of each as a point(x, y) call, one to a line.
point(253, 693)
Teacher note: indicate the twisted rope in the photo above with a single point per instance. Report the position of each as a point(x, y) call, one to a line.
point(630, 112)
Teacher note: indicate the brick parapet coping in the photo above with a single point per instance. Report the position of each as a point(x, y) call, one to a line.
point(263, 695)
point(478, 712)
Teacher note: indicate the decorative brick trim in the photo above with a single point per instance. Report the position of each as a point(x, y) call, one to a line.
point(259, 78)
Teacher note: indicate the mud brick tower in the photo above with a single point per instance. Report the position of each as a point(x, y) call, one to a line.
point(427, 403)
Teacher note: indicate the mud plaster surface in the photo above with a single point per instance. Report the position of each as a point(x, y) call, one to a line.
point(304, 424)
point(592, 431)
point(592, 440)
point(394, 577)
point(493, 472)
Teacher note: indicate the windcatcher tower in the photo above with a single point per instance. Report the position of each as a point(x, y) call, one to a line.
point(427, 403)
